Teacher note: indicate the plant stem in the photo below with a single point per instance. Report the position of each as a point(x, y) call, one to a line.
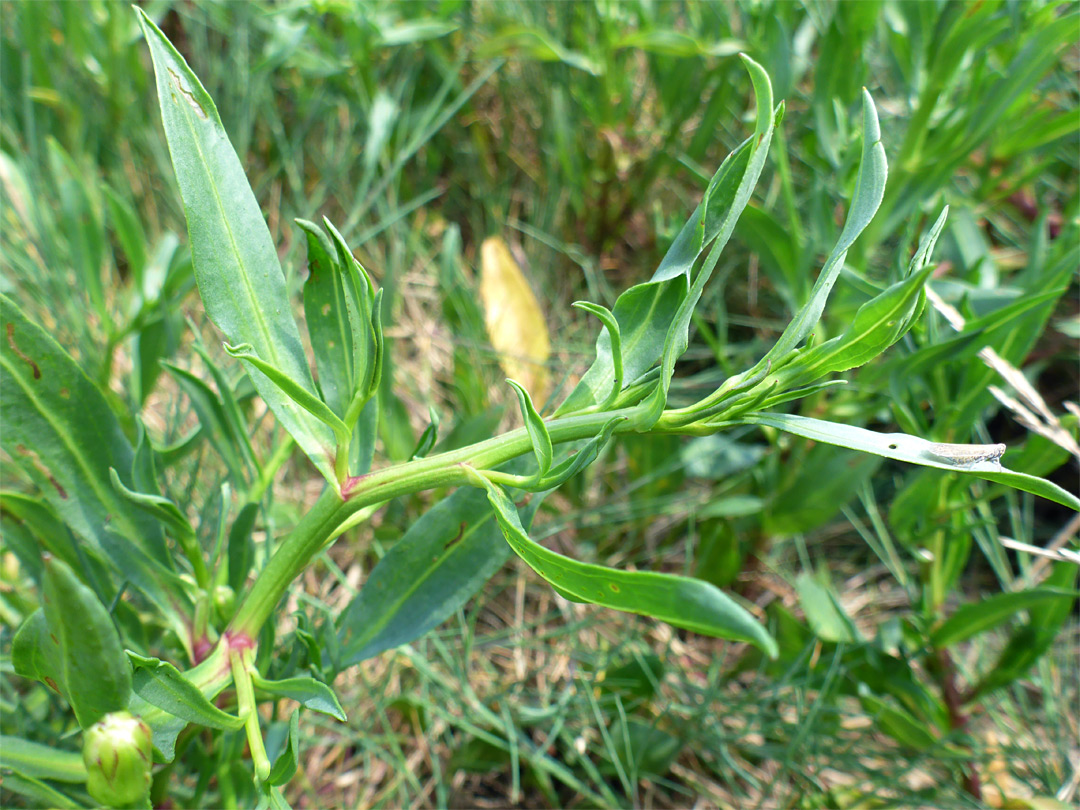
point(241, 661)
point(443, 470)
point(958, 719)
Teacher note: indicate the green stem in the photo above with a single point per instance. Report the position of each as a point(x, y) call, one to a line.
point(443, 470)
point(241, 661)
point(268, 470)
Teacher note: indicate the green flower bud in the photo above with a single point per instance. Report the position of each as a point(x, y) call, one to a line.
point(118, 753)
point(224, 601)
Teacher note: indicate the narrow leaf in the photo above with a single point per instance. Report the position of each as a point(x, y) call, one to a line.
point(284, 768)
point(877, 325)
point(236, 266)
point(160, 507)
point(912, 449)
point(614, 341)
point(96, 675)
point(978, 617)
point(41, 761)
point(327, 316)
point(41, 792)
point(308, 692)
point(537, 430)
point(443, 559)
point(161, 684)
point(651, 315)
point(59, 428)
point(692, 604)
point(292, 389)
point(869, 190)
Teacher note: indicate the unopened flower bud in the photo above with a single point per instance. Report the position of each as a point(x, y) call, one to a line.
point(118, 752)
point(224, 601)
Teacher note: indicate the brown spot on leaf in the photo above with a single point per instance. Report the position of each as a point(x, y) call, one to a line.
point(39, 465)
point(456, 538)
point(22, 355)
point(188, 95)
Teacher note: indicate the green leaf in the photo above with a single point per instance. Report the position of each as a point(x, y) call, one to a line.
point(328, 319)
point(164, 510)
point(164, 727)
point(58, 426)
point(869, 190)
point(579, 460)
point(1032, 639)
point(537, 430)
point(360, 301)
point(41, 761)
point(877, 325)
point(161, 684)
point(292, 389)
point(911, 449)
point(611, 323)
point(692, 604)
point(978, 617)
point(725, 205)
point(897, 722)
point(824, 613)
point(284, 768)
point(96, 675)
point(44, 530)
point(236, 266)
point(443, 559)
point(645, 311)
point(35, 655)
point(241, 548)
point(44, 794)
point(216, 424)
point(429, 437)
point(308, 692)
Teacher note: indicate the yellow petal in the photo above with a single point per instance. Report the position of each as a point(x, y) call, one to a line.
point(515, 322)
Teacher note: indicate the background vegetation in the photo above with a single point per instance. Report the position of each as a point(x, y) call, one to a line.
point(583, 135)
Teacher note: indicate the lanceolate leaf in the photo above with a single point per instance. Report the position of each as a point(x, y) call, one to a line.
point(285, 766)
point(728, 202)
point(647, 312)
point(912, 449)
point(443, 559)
point(978, 617)
point(41, 761)
point(58, 426)
point(297, 393)
point(869, 189)
point(684, 602)
point(161, 684)
point(327, 316)
point(877, 325)
point(1033, 638)
point(236, 265)
point(35, 655)
point(96, 675)
point(536, 428)
point(308, 692)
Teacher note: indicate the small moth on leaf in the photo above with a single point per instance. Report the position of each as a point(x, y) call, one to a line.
point(968, 455)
